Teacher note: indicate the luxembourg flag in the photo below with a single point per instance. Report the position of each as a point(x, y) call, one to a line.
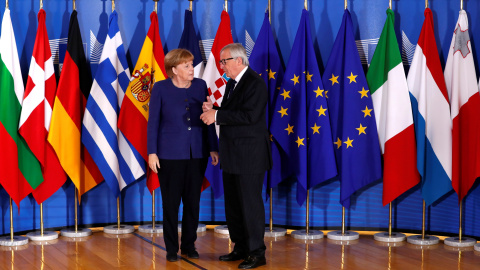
point(461, 80)
point(431, 116)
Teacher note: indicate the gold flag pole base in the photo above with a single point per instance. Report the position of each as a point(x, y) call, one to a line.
point(12, 240)
point(271, 231)
point(76, 232)
point(151, 228)
point(42, 235)
point(423, 239)
point(460, 241)
point(343, 235)
point(307, 234)
point(389, 237)
point(118, 228)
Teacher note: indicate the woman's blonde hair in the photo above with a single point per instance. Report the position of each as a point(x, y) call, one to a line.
point(174, 58)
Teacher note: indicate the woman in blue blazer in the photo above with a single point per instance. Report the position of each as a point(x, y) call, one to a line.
point(179, 144)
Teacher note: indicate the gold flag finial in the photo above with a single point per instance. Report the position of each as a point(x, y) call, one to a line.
point(390, 4)
point(74, 6)
point(156, 6)
point(461, 4)
point(113, 5)
point(41, 4)
point(426, 4)
point(346, 4)
point(6, 4)
point(225, 7)
point(306, 5)
point(190, 5)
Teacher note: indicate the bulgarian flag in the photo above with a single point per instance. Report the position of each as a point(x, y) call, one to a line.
point(393, 113)
point(461, 80)
point(431, 113)
point(133, 117)
point(216, 80)
point(66, 125)
point(37, 111)
point(20, 170)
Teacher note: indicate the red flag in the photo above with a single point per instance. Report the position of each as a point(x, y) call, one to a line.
point(36, 113)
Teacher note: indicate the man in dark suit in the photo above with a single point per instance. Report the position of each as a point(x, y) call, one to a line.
point(244, 153)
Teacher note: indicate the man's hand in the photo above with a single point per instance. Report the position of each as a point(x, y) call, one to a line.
point(207, 105)
point(214, 156)
point(208, 117)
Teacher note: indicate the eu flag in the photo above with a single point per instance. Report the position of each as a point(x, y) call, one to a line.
point(300, 122)
point(354, 130)
point(266, 62)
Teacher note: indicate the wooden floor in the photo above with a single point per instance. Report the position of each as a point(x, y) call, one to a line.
point(144, 251)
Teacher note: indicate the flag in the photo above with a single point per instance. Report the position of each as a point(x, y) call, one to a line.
point(133, 117)
point(266, 62)
point(461, 80)
point(72, 93)
point(393, 114)
point(37, 112)
point(301, 122)
point(357, 150)
point(431, 115)
point(190, 42)
point(216, 81)
point(21, 172)
point(118, 161)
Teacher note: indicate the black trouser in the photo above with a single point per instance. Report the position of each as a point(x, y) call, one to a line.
point(245, 212)
point(181, 180)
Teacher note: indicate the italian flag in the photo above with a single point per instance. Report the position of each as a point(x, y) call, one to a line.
point(20, 171)
point(393, 113)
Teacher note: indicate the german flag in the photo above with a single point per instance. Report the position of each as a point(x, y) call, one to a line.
point(134, 111)
point(70, 101)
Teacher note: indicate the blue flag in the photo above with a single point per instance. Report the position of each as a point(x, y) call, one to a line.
point(190, 42)
point(300, 122)
point(117, 160)
point(357, 149)
point(266, 62)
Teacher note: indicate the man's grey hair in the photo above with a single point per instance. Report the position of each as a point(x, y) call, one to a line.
point(237, 50)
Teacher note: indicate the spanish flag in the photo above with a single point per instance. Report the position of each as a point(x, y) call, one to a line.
point(134, 111)
point(70, 101)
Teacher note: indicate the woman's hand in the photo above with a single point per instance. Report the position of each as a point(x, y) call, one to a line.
point(153, 162)
point(214, 156)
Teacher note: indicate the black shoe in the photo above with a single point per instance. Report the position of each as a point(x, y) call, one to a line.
point(192, 254)
point(172, 257)
point(233, 256)
point(252, 262)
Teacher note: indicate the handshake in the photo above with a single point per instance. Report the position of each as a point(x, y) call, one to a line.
point(208, 115)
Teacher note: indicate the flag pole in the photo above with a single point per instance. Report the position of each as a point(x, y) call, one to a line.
point(426, 4)
point(118, 229)
point(42, 235)
point(305, 5)
point(75, 233)
point(270, 15)
point(74, 5)
point(460, 241)
point(389, 237)
point(308, 210)
point(41, 4)
point(190, 5)
point(423, 239)
point(461, 4)
point(6, 6)
point(225, 7)
point(307, 234)
point(346, 4)
point(113, 5)
point(390, 4)
point(12, 240)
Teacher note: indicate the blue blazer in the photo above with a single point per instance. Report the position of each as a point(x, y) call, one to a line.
point(174, 126)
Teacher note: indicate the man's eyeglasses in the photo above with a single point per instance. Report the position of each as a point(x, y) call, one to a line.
point(224, 61)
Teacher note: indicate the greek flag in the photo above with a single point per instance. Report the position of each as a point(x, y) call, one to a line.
point(119, 163)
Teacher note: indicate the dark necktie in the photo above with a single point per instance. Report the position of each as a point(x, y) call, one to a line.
point(231, 87)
